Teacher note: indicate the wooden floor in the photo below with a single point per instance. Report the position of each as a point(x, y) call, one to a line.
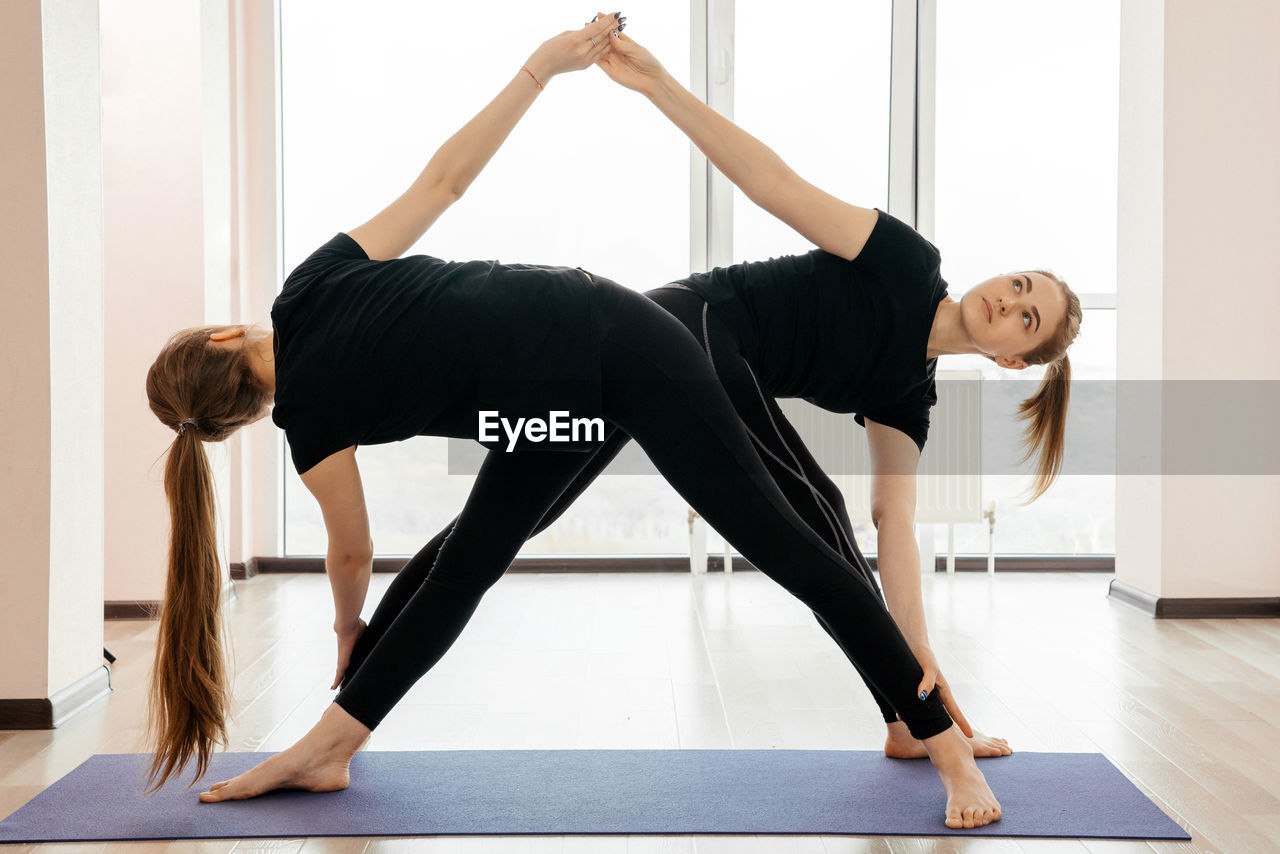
point(1188, 709)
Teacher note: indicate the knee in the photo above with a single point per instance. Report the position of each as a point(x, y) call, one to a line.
point(469, 571)
point(828, 489)
point(836, 591)
point(469, 585)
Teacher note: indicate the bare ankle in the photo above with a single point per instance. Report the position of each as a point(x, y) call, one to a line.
point(949, 746)
point(898, 729)
point(339, 731)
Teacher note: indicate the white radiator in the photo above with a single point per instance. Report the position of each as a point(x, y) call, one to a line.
point(949, 476)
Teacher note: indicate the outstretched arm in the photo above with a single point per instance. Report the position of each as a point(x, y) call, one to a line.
point(894, 457)
point(838, 227)
point(457, 163)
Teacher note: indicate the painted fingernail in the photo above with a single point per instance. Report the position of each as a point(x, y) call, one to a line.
point(923, 695)
point(616, 14)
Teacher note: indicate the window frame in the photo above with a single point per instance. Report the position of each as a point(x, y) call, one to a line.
point(911, 177)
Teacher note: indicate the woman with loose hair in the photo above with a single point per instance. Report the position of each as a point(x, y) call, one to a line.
point(856, 325)
point(367, 347)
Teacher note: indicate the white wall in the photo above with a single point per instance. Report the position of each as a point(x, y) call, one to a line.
point(1199, 211)
point(256, 510)
point(74, 160)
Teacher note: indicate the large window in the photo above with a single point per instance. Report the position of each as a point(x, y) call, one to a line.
point(591, 177)
point(1027, 111)
point(824, 111)
point(595, 177)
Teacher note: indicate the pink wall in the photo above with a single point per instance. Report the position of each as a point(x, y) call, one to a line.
point(1199, 209)
point(190, 199)
point(51, 448)
point(151, 178)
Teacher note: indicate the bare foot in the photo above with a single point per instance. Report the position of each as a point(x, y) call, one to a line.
point(970, 801)
point(319, 762)
point(901, 744)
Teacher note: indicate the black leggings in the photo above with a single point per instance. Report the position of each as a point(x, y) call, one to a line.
point(659, 388)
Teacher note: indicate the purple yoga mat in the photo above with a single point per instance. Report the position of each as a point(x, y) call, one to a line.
point(479, 792)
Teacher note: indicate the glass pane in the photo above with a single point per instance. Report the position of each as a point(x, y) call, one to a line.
point(1027, 129)
point(824, 111)
point(1077, 514)
point(592, 177)
point(1026, 178)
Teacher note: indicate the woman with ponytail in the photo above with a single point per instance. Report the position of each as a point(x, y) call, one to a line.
point(367, 347)
point(206, 394)
point(854, 326)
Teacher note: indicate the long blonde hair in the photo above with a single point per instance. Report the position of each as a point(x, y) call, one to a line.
point(1046, 411)
point(205, 393)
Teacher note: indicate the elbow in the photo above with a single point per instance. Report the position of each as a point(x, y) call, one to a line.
point(892, 515)
point(451, 191)
point(449, 187)
point(772, 187)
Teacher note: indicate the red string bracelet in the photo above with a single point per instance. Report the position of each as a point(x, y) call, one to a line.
point(526, 70)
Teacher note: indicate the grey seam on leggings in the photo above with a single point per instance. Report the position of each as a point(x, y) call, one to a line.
point(706, 344)
point(828, 512)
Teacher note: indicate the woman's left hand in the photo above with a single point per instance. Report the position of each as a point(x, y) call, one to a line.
point(573, 50)
point(932, 679)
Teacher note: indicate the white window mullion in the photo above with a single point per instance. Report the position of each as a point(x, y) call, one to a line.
point(926, 65)
point(711, 78)
point(699, 168)
point(902, 112)
point(719, 71)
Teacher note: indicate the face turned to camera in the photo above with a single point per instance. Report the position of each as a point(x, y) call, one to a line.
point(1011, 315)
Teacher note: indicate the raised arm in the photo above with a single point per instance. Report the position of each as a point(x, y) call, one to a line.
point(457, 163)
point(838, 227)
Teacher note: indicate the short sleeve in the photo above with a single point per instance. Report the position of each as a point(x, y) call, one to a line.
point(312, 439)
point(896, 250)
point(911, 418)
point(341, 247)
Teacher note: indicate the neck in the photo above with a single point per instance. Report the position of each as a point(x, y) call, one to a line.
point(948, 335)
point(262, 362)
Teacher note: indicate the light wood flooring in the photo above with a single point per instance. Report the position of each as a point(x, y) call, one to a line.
point(1188, 709)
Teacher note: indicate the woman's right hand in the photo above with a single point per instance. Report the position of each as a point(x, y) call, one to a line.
point(573, 50)
point(631, 65)
point(347, 638)
point(934, 681)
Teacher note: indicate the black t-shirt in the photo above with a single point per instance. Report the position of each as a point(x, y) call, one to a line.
point(848, 336)
point(368, 352)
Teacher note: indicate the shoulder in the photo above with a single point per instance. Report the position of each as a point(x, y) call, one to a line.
point(894, 244)
point(340, 247)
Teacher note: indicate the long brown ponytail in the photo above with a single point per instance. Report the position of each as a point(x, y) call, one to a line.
point(205, 393)
point(1046, 411)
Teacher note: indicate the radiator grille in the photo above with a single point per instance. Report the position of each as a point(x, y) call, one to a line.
point(949, 476)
